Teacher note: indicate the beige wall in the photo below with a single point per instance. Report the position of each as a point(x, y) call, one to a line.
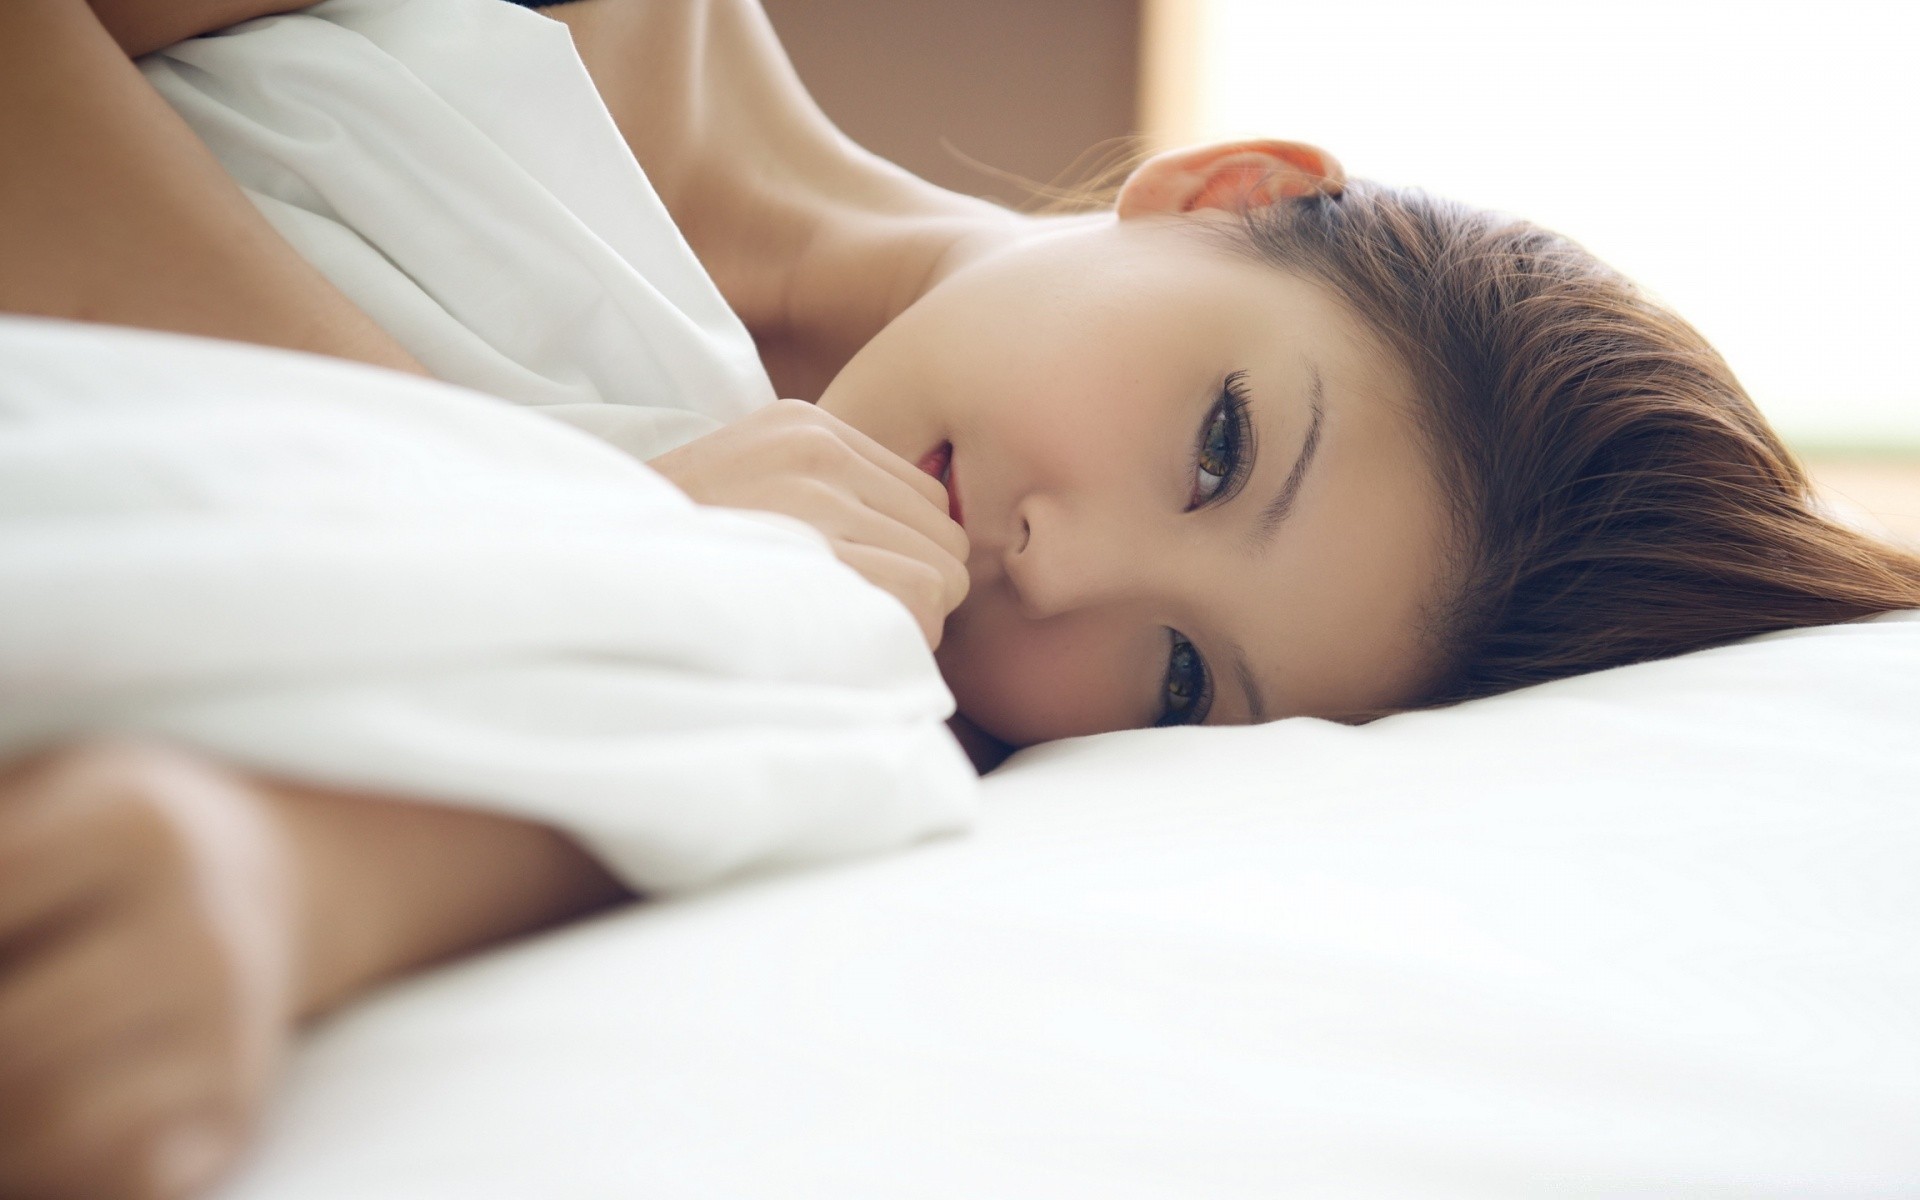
point(1024, 85)
point(1887, 490)
point(1028, 85)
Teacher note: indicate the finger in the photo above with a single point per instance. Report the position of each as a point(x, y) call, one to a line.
point(893, 465)
point(834, 507)
point(913, 582)
point(149, 1125)
point(820, 453)
point(845, 520)
point(885, 493)
point(76, 1000)
point(195, 1153)
point(52, 850)
point(865, 528)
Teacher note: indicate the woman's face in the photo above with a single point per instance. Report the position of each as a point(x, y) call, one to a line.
point(1139, 554)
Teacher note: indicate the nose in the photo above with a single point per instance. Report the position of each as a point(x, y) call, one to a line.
point(1061, 557)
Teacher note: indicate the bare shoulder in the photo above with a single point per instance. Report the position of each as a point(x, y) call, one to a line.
point(575, 14)
point(606, 30)
point(649, 61)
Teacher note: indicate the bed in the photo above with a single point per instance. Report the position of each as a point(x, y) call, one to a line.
point(1647, 932)
point(1643, 933)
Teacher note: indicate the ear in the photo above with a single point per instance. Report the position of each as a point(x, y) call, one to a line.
point(1234, 176)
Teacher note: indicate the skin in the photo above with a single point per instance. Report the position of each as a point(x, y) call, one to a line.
point(166, 921)
point(1073, 456)
point(859, 283)
point(874, 293)
point(116, 212)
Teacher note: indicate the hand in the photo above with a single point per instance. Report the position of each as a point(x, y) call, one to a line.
point(886, 518)
point(146, 971)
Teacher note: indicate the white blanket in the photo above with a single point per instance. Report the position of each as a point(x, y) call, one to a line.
point(343, 574)
point(349, 576)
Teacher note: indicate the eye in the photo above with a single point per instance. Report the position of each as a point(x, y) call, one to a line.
point(1187, 693)
point(1223, 456)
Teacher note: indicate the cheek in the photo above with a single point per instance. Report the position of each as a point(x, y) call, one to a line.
point(1068, 384)
point(1034, 681)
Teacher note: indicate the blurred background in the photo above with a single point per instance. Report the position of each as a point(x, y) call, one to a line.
point(1750, 163)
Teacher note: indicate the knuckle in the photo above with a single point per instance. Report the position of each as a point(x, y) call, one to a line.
point(182, 1159)
point(110, 792)
point(932, 489)
point(956, 543)
point(959, 583)
point(815, 494)
point(120, 768)
point(815, 448)
point(116, 1143)
point(68, 1149)
point(135, 793)
point(928, 586)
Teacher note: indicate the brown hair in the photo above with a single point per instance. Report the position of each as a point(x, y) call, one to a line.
point(1614, 494)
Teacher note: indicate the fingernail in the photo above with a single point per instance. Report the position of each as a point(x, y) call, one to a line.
point(185, 1160)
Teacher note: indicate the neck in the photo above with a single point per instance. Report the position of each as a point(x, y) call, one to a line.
point(814, 242)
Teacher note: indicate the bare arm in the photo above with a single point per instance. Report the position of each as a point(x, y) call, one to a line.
point(694, 85)
point(746, 162)
point(392, 884)
point(143, 26)
point(112, 210)
point(164, 921)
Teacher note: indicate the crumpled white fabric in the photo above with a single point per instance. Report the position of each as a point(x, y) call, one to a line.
point(450, 166)
point(343, 574)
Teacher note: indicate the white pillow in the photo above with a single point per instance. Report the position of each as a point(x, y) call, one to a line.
point(1650, 932)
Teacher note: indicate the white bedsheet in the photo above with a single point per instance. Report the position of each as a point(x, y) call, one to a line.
point(1641, 935)
point(353, 576)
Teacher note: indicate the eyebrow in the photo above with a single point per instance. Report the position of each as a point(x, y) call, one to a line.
point(1271, 518)
point(1256, 703)
point(1280, 507)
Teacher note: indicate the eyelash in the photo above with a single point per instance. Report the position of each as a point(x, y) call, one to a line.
point(1184, 701)
point(1234, 456)
point(1187, 691)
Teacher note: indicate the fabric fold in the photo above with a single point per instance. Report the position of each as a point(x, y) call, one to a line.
point(351, 576)
point(449, 165)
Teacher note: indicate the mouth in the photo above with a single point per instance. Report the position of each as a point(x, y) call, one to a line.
point(939, 464)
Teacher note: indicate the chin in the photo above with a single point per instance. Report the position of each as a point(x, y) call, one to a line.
point(975, 693)
point(999, 703)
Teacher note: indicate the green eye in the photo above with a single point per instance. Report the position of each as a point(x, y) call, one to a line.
point(1186, 694)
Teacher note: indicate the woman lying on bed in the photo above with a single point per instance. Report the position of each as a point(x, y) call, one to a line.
point(1255, 442)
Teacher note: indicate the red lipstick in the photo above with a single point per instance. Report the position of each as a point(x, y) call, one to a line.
point(936, 460)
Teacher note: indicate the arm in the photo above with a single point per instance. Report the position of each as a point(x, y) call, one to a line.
point(143, 26)
point(746, 162)
point(164, 922)
point(112, 210)
point(388, 885)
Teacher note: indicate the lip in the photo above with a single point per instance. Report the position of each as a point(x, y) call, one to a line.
point(938, 462)
point(953, 492)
